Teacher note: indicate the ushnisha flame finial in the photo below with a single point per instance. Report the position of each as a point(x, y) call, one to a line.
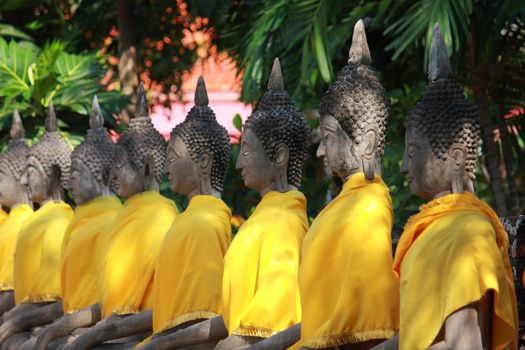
point(201, 95)
point(276, 83)
point(438, 63)
point(141, 109)
point(51, 119)
point(96, 119)
point(359, 52)
point(17, 128)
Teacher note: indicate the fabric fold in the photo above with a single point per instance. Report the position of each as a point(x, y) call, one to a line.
point(348, 290)
point(38, 254)
point(260, 291)
point(450, 254)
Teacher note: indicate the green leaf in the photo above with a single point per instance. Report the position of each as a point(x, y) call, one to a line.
point(237, 122)
point(9, 30)
point(15, 59)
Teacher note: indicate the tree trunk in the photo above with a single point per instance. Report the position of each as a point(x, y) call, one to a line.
point(491, 151)
point(514, 205)
point(127, 65)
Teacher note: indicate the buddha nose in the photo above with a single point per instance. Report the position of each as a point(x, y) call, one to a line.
point(238, 163)
point(321, 150)
point(404, 166)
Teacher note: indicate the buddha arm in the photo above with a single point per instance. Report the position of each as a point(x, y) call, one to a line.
point(7, 301)
point(112, 327)
point(42, 315)
point(203, 332)
point(281, 341)
point(20, 309)
point(62, 326)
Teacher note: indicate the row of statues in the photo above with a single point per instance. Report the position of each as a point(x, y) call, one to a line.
point(140, 274)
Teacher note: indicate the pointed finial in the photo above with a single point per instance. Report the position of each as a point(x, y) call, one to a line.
point(51, 119)
point(141, 109)
point(438, 63)
point(359, 51)
point(201, 95)
point(96, 119)
point(17, 128)
point(276, 83)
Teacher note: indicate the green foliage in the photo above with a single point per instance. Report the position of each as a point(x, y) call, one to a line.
point(32, 77)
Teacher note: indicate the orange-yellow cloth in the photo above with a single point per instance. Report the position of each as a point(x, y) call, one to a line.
point(79, 268)
point(9, 230)
point(134, 241)
point(349, 292)
point(450, 254)
point(39, 253)
point(188, 275)
point(260, 292)
point(3, 215)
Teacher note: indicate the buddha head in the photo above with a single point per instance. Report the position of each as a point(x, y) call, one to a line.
point(140, 153)
point(198, 151)
point(12, 167)
point(48, 164)
point(274, 141)
point(91, 161)
point(442, 132)
point(354, 114)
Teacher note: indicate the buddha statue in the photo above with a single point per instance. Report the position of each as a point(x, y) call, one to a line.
point(39, 243)
point(188, 274)
point(91, 162)
point(132, 242)
point(13, 195)
point(349, 294)
point(452, 259)
point(260, 290)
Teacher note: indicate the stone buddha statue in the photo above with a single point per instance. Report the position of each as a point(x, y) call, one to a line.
point(91, 163)
point(132, 241)
point(454, 270)
point(39, 243)
point(13, 195)
point(260, 292)
point(346, 267)
point(188, 274)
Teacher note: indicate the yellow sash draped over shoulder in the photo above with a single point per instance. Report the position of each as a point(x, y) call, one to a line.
point(134, 241)
point(9, 230)
point(450, 254)
point(349, 292)
point(260, 290)
point(188, 276)
point(3, 215)
point(39, 253)
point(79, 268)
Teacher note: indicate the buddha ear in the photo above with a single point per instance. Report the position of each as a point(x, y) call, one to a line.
point(205, 163)
point(368, 155)
point(149, 166)
point(54, 181)
point(458, 156)
point(282, 156)
point(106, 176)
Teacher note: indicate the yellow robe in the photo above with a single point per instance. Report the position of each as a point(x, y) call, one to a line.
point(134, 240)
point(9, 230)
point(450, 254)
point(79, 268)
point(3, 215)
point(349, 292)
point(188, 275)
point(38, 254)
point(260, 290)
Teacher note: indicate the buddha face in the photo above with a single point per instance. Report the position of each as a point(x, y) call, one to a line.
point(257, 170)
point(129, 178)
point(183, 172)
point(36, 180)
point(336, 148)
point(427, 176)
point(84, 186)
point(10, 188)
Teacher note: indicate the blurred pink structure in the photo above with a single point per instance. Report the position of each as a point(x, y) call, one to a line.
point(223, 92)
